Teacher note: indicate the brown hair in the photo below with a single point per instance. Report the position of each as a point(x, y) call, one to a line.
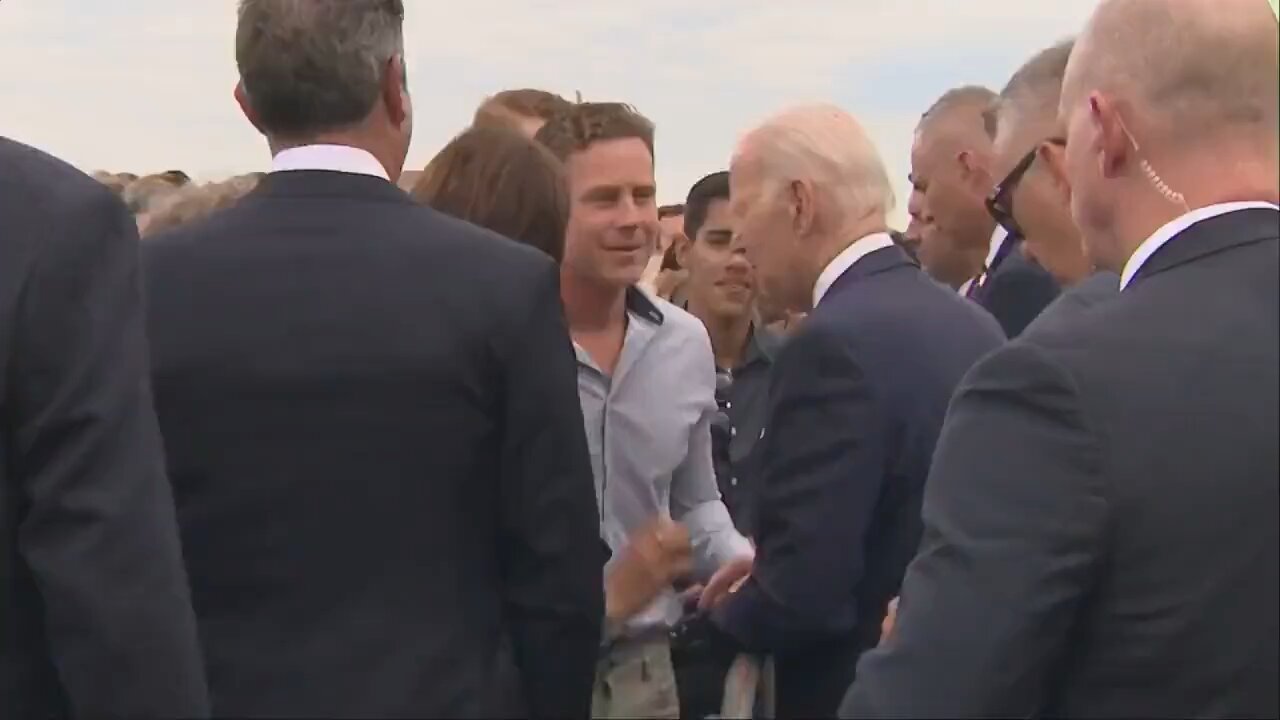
point(585, 123)
point(525, 102)
point(495, 177)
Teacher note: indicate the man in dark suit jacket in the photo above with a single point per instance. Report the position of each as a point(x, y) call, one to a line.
point(1097, 289)
point(1012, 288)
point(95, 615)
point(1101, 519)
point(855, 404)
point(371, 415)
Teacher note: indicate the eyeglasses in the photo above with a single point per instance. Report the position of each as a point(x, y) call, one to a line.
point(1000, 201)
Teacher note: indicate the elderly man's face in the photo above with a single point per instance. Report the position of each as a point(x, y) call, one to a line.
point(1039, 198)
point(766, 233)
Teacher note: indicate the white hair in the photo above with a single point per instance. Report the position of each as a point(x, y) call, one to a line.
point(827, 146)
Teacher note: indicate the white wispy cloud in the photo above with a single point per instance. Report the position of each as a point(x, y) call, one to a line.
point(146, 85)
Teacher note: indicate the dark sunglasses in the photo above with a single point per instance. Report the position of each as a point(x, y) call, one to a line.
point(1000, 201)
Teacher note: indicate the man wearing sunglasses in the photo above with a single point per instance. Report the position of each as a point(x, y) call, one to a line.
point(952, 167)
point(1033, 200)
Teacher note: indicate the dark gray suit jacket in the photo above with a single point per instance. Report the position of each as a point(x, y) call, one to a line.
point(1101, 516)
point(1093, 291)
point(95, 615)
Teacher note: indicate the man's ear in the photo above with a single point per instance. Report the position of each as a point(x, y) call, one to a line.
point(246, 108)
point(974, 173)
point(804, 207)
point(682, 245)
point(395, 91)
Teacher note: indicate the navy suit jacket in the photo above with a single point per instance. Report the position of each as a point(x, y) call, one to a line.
point(1016, 290)
point(856, 402)
point(95, 613)
point(1101, 518)
point(379, 463)
point(1095, 290)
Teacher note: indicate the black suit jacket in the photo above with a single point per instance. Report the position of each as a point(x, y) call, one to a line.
point(374, 434)
point(857, 399)
point(1101, 519)
point(95, 616)
point(1016, 290)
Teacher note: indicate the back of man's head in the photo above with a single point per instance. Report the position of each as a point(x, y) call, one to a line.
point(309, 67)
point(709, 189)
point(826, 146)
point(964, 109)
point(583, 124)
point(1034, 90)
point(518, 106)
point(1197, 70)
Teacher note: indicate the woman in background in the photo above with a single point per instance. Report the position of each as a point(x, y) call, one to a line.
point(499, 179)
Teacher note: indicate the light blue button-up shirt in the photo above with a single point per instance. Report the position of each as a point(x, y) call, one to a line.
point(649, 431)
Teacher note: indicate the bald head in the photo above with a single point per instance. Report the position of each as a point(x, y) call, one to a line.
point(1192, 67)
point(827, 147)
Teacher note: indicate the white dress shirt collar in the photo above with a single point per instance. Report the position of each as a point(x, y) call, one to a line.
point(860, 248)
point(997, 241)
point(998, 236)
point(333, 158)
point(1177, 226)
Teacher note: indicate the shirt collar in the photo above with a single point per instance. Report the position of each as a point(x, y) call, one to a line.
point(998, 236)
point(860, 248)
point(1177, 226)
point(332, 158)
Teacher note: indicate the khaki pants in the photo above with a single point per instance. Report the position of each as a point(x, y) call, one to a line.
point(635, 679)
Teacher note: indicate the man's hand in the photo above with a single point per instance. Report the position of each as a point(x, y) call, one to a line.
point(890, 617)
point(726, 581)
point(654, 557)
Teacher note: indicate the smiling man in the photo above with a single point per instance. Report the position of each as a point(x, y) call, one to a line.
point(646, 381)
point(721, 293)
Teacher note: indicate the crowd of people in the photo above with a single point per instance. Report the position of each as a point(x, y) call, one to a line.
point(502, 437)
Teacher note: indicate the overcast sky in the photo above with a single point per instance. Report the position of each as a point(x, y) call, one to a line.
point(145, 85)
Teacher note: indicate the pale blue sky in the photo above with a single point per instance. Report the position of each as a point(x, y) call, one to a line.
point(145, 85)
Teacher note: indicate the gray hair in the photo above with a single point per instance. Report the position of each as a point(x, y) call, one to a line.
point(313, 66)
point(828, 147)
point(1037, 85)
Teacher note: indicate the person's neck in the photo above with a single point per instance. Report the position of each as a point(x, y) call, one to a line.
point(1249, 179)
point(729, 334)
point(591, 305)
point(980, 248)
point(381, 150)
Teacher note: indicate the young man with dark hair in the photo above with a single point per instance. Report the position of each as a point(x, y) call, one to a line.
point(721, 292)
point(646, 381)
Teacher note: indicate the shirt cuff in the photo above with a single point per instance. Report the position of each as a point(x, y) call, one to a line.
point(715, 540)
